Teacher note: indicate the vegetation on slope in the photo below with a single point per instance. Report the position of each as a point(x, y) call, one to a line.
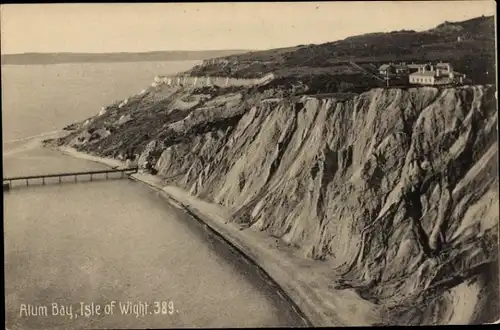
point(468, 45)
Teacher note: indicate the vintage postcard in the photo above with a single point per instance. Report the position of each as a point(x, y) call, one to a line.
point(265, 164)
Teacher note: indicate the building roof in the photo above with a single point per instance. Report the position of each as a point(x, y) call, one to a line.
point(424, 74)
point(415, 66)
point(385, 66)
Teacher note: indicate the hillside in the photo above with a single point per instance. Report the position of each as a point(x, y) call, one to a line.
point(468, 45)
point(54, 58)
point(390, 193)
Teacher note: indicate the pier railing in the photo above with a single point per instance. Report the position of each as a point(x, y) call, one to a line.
point(7, 182)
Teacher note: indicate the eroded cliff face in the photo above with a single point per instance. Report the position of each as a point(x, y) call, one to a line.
point(397, 189)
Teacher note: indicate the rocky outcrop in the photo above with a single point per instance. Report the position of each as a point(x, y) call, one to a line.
point(395, 189)
point(202, 81)
point(218, 61)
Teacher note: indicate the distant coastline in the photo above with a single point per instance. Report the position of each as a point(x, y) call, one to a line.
point(56, 58)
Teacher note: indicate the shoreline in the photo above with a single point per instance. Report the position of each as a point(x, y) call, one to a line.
point(15, 146)
point(304, 284)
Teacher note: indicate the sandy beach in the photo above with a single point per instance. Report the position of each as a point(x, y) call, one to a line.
point(306, 283)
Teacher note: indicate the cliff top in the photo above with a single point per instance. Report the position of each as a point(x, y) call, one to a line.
point(469, 45)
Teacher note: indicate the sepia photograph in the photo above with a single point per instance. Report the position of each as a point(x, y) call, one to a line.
point(249, 164)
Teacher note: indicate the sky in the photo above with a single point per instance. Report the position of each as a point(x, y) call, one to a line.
point(142, 27)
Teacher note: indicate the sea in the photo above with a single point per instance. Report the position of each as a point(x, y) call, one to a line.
point(108, 254)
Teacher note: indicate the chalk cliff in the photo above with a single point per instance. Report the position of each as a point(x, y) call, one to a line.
point(395, 189)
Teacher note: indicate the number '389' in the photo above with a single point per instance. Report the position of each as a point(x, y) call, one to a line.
point(164, 307)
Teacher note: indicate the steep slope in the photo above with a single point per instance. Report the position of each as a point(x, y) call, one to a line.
point(395, 189)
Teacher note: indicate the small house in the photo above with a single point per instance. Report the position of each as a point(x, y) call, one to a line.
point(414, 67)
point(423, 78)
point(401, 69)
point(445, 68)
point(393, 69)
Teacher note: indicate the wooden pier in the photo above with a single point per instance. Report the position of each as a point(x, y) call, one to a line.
point(103, 174)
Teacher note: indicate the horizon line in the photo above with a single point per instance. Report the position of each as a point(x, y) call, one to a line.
point(137, 52)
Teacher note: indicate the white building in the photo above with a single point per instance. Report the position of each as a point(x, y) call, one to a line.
point(440, 74)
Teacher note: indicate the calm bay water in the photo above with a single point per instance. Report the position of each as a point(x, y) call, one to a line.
point(105, 241)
